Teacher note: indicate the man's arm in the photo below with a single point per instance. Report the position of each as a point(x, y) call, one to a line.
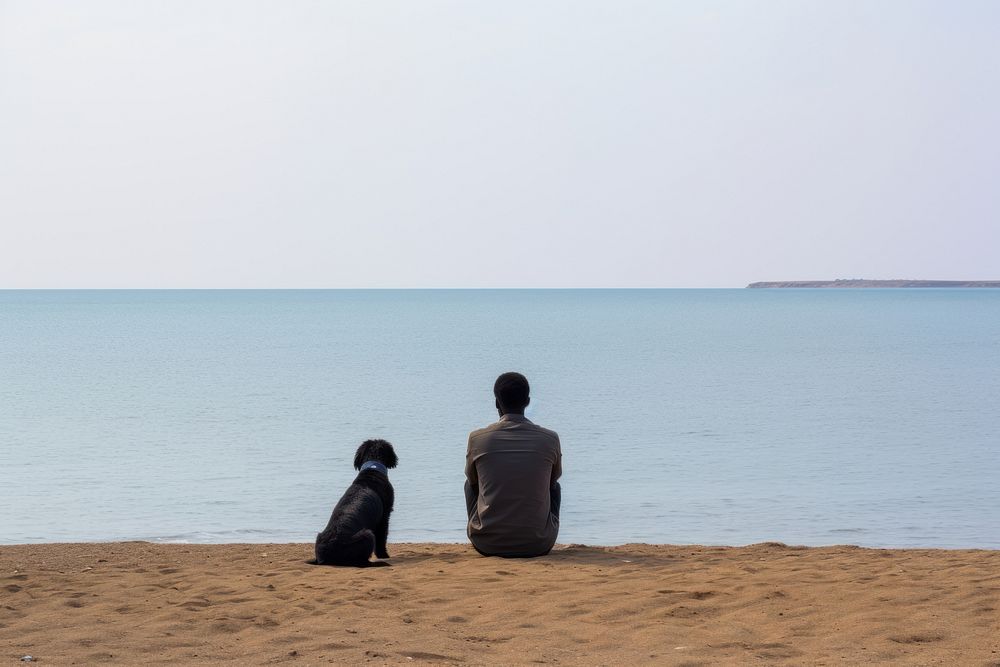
point(471, 481)
point(470, 466)
point(557, 465)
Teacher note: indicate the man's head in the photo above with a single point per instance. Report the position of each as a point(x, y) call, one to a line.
point(511, 392)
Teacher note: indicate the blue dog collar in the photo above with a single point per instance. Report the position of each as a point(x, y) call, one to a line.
point(374, 465)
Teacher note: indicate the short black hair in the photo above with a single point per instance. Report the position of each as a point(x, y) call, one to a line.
point(511, 391)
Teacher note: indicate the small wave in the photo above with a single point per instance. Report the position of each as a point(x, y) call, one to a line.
point(255, 535)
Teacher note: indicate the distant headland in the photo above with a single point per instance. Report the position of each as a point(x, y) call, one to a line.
point(860, 282)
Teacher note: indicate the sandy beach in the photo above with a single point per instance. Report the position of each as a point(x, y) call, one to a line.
point(142, 603)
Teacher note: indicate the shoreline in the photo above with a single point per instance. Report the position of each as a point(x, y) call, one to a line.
point(438, 603)
point(558, 547)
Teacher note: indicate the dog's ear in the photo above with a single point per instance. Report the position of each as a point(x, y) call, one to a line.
point(389, 457)
point(361, 455)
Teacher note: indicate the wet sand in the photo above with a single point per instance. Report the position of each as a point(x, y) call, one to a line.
point(141, 603)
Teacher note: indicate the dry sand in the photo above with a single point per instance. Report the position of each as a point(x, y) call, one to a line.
point(139, 603)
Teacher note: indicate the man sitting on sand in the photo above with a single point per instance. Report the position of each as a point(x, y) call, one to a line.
point(511, 468)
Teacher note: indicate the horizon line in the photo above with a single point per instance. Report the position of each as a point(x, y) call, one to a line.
point(318, 289)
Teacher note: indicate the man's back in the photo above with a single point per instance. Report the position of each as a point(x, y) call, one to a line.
point(513, 464)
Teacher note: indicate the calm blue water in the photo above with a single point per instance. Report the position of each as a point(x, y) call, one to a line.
point(813, 417)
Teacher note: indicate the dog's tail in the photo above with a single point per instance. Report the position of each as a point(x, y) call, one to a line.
point(355, 551)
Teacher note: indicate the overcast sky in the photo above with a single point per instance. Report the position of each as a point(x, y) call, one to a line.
point(497, 144)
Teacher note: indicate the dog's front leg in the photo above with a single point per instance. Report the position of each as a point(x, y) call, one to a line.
point(381, 537)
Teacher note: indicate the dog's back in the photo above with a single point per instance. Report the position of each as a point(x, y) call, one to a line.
point(359, 524)
point(348, 538)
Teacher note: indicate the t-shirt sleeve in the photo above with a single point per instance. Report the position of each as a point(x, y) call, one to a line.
point(470, 466)
point(557, 466)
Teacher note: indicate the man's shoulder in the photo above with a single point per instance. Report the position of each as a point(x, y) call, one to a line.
point(484, 432)
point(547, 432)
point(479, 432)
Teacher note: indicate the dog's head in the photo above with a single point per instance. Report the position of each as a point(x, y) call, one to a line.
point(375, 450)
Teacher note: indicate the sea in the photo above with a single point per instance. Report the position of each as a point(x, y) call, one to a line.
point(686, 416)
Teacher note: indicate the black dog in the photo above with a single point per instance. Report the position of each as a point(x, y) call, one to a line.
point(359, 524)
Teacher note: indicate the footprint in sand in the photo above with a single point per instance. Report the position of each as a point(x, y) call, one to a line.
point(430, 657)
point(917, 638)
point(335, 646)
point(194, 605)
point(700, 595)
point(228, 627)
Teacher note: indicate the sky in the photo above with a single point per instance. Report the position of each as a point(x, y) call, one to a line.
point(248, 144)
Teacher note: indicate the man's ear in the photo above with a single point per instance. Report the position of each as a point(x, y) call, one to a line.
point(528, 402)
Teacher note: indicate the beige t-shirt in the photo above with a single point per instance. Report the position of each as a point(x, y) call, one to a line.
point(514, 464)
